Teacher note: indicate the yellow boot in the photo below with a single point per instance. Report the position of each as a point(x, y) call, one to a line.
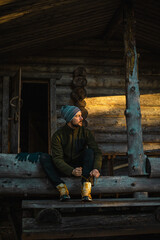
point(86, 192)
point(64, 193)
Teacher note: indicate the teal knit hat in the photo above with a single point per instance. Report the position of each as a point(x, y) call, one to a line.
point(68, 112)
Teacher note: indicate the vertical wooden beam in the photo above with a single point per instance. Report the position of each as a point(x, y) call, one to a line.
point(5, 114)
point(15, 102)
point(53, 114)
point(136, 157)
point(19, 107)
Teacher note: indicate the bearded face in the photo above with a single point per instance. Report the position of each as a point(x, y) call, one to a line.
point(77, 120)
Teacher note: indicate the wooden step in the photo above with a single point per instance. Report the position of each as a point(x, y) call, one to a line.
point(77, 203)
point(91, 226)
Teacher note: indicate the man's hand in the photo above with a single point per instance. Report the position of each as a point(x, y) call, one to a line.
point(77, 172)
point(95, 173)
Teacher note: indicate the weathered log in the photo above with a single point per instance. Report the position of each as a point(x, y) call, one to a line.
point(107, 221)
point(63, 90)
point(91, 226)
point(102, 91)
point(41, 75)
point(140, 195)
point(153, 152)
point(96, 203)
point(11, 167)
point(133, 113)
point(117, 82)
point(109, 120)
point(80, 71)
point(112, 67)
point(79, 81)
point(25, 178)
point(122, 138)
point(80, 103)
point(64, 68)
point(63, 100)
point(78, 94)
point(145, 100)
point(42, 187)
point(111, 81)
point(117, 148)
point(93, 94)
point(116, 109)
point(153, 167)
point(91, 69)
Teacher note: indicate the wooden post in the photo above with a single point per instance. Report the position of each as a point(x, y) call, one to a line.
point(19, 107)
point(15, 106)
point(53, 115)
point(136, 155)
point(5, 114)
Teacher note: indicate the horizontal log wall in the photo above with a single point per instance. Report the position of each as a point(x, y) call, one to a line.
point(106, 118)
point(105, 88)
point(106, 100)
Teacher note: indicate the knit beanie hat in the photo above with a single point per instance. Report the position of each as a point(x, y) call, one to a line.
point(68, 112)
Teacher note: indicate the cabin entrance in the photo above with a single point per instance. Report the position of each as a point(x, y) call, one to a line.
point(34, 127)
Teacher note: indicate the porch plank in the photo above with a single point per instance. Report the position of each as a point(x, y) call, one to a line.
point(96, 203)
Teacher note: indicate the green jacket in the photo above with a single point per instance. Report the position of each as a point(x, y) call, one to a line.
point(67, 145)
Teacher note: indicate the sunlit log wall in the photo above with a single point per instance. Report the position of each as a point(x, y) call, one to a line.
point(105, 102)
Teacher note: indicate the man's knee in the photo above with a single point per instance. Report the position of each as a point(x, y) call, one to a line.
point(44, 158)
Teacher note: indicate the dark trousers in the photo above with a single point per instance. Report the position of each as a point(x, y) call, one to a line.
point(85, 161)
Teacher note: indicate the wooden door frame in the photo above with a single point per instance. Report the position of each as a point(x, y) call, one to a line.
point(52, 115)
point(14, 113)
point(5, 115)
point(38, 77)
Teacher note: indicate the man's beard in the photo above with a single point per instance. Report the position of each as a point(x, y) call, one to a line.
point(75, 125)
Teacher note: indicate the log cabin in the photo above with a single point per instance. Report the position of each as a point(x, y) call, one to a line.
point(102, 56)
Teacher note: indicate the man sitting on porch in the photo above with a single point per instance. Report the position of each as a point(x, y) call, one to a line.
point(74, 153)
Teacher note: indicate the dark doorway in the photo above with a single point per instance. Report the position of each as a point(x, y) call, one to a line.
point(34, 118)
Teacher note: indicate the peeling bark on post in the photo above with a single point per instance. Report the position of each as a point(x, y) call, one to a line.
point(136, 155)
